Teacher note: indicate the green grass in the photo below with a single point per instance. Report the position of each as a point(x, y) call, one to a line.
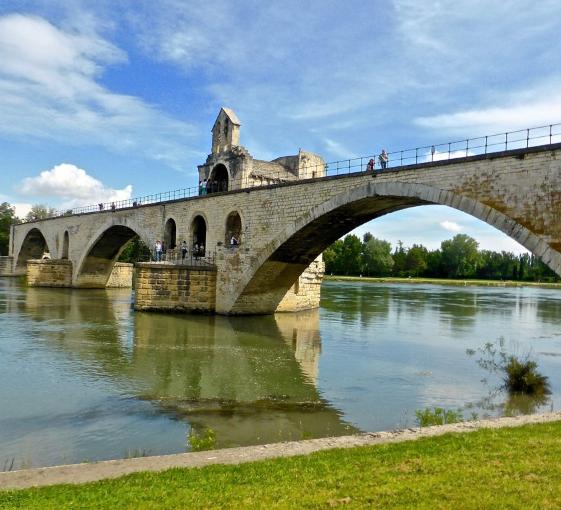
point(444, 281)
point(487, 469)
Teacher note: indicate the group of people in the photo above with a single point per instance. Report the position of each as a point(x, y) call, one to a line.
point(383, 160)
point(198, 250)
point(207, 186)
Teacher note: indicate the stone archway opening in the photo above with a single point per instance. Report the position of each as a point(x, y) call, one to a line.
point(198, 240)
point(218, 180)
point(34, 246)
point(98, 263)
point(170, 233)
point(65, 245)
point(233, 229)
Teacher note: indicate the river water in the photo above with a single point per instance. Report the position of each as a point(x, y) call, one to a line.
point(84, 377)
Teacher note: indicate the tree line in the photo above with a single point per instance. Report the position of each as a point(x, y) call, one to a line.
point(458, 257)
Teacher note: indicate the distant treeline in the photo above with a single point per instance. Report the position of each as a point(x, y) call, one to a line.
point(458, 257)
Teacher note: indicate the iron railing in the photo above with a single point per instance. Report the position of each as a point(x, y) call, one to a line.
point(523, 138)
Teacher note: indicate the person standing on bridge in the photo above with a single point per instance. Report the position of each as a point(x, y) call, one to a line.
point(383, 158)
point(370, 166)
point(158, 248)
point(183, 250)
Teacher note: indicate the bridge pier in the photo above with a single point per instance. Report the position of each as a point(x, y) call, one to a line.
point(6, 265)
point(49, 273)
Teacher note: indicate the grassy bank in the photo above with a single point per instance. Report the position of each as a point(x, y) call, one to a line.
point(491, 468)
point(444, 281)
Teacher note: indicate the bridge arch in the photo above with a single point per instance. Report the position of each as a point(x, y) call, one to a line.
point(170, 234)
point(280, 263)
point(199, 227)
point(65, 245)
point(96, 263)
point(233, 227)
point(33, 246)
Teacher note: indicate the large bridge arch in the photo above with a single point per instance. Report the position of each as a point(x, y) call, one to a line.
point(96, 262)
point(275, 269)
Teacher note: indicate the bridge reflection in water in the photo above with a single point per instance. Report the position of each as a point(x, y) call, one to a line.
point(252, 380)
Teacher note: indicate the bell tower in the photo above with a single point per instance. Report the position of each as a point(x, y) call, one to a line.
point(226, 131)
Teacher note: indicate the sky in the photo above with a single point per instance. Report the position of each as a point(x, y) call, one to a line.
point(105, 100)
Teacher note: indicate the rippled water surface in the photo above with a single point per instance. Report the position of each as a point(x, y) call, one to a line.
point(83, 377)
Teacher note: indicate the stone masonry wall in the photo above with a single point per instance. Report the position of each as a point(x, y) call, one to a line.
point(49, 273)
point(518, 192)
point(175, 288)
point(121, 275)
point(305, 293)
point(6, 266)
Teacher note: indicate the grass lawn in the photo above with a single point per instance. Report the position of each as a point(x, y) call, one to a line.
point(444, 281)
point(503, 468)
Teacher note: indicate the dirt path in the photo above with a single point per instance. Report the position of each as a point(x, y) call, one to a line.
point(81, 473)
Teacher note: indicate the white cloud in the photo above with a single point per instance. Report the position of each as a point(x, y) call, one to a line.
point(49, 90)
point(451, 226)
point(73, 185)
point(22, 209)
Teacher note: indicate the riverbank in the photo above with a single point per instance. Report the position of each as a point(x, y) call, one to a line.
point(508, 462)
point(443, 281)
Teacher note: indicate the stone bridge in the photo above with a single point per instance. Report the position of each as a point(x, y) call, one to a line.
point(283, 228)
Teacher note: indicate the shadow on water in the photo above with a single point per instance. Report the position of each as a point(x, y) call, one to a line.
point(252, 379)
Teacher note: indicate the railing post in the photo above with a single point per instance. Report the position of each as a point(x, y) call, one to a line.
point(349, 166)
point(527, 138)
point(506, 141)
point(449, 150)
point(416, 154)
point(401, 160)
point(467, 147)
point(550, 128)
point(486, 145)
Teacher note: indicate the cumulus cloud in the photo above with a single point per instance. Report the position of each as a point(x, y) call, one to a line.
point(442, 156)
point(73, 186)
point(451, 226)
point(49, 89)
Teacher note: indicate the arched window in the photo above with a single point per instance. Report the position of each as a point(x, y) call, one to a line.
point(233, 229)
point(198, 229)
point(65, 245)
point(170, 234)
point(218, 180)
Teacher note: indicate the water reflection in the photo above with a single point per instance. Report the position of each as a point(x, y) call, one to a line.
point(83, 377)
point(251, 380)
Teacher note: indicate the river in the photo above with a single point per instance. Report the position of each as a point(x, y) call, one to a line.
point(83, 377)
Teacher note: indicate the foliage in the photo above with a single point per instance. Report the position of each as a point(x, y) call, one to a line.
point(437, 416)
point(376, 257)
point(40, 212)
point(7, 218)
point(519, 374)
point(201, 442)
point(457, 258)
point(517, 467)
point(135, 251)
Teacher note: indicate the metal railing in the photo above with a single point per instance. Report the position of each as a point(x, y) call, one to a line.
point(192, 258)
point(520, 139)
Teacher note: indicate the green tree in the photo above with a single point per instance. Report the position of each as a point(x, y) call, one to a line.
point(40, 212)
point(332, 258)
point(135, 251)
point(416, 260)
point(460, 256)
point(7, 217)
point(376, 257)
point(351, 254)
point(399, 258)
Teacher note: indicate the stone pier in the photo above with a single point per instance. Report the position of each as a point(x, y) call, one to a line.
point(49, 273)
point(121, 275)
point(6, 264)
point(175, 287)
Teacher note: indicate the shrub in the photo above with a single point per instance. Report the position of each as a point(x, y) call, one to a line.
point(204, 441)
point(437, 416)
point(519, 373)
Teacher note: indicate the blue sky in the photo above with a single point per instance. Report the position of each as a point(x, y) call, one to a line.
point(105, 100)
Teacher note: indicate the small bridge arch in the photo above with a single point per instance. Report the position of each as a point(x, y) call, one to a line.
point(33, 246)
point(95, 266)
